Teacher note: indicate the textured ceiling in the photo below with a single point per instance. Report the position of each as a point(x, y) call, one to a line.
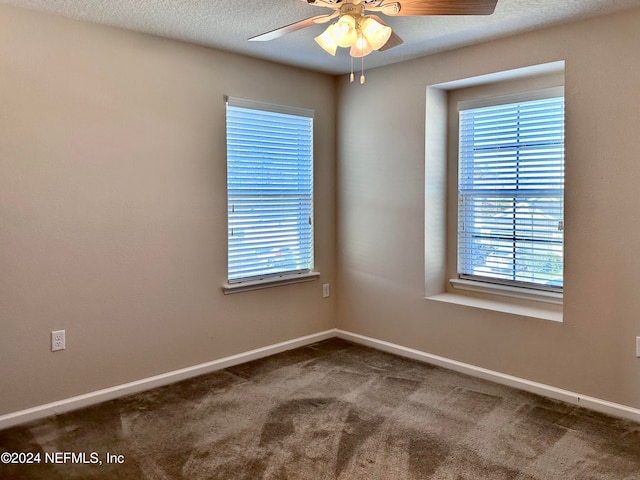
point(227, 24)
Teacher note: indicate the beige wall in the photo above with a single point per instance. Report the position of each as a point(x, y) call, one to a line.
point(113, 207)
point(381, 198)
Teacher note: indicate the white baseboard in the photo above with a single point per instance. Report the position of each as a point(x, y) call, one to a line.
point(93, 398)
point(596, 404)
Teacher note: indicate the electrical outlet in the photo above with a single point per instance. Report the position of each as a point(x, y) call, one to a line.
point(325, 290)
point(58, 341)
point(638, 347)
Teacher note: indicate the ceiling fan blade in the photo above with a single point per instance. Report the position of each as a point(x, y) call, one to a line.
point(293, 27)
point(394, 39)
point(443, 7)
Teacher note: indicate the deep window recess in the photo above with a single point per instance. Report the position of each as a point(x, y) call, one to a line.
point(269, 191)
point(511, 193)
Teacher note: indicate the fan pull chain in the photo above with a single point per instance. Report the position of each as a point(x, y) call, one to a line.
point(351, 76)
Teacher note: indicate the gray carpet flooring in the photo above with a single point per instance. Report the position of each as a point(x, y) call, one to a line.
point(333, 410)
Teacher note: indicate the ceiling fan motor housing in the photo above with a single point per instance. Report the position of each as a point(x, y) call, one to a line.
point(352, 9)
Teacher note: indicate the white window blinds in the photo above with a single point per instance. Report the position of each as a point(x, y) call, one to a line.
point(511, 193)
point(269, 190)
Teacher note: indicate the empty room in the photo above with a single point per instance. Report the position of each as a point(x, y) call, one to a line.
point(319, 239)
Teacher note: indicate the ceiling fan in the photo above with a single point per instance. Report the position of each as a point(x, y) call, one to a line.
point(363, 32)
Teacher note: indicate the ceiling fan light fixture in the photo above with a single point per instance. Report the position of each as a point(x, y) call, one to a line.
point(361, 48)
point(326, 41)
point(376, 33)
point(344, 31)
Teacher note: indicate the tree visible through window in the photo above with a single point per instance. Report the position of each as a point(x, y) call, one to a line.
point(511, 193)
point(269, 190)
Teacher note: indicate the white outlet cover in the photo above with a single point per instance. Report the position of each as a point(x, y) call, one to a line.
point(58, 340)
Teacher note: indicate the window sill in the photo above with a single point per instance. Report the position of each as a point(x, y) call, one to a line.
point(229, 288)
point(543, 312)
point(513, 301)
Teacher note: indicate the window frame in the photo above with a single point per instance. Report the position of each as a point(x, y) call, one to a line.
point(489, 285)
point(269, 276)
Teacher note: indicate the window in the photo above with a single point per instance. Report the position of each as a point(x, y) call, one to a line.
point(511, 191)
point(269, 191)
